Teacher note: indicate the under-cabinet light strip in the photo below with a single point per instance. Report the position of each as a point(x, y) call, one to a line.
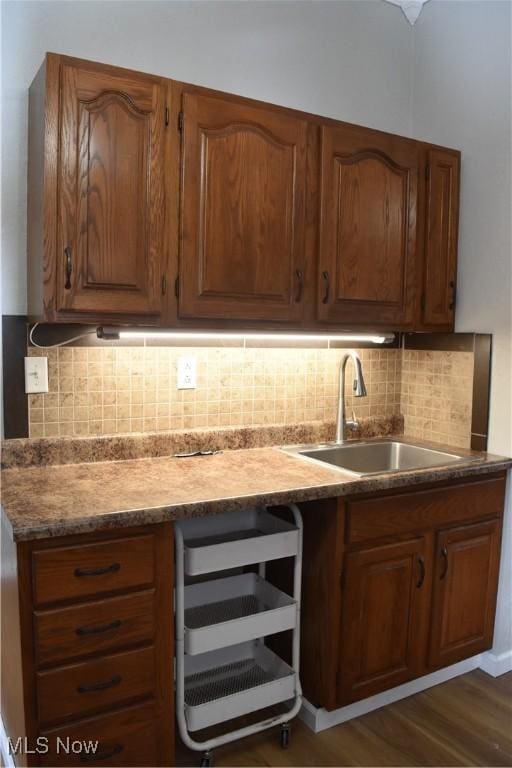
point(118, 333)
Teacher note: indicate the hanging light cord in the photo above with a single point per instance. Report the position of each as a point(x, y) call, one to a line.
point(60, 343)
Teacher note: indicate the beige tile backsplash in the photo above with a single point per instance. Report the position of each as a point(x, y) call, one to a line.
point(95, 391)
point(436, 396)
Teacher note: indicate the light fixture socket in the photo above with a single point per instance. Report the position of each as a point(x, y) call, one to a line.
point(110, 334)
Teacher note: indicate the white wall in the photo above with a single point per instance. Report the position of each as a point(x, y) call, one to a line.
point(346, 59)
point(462, 97)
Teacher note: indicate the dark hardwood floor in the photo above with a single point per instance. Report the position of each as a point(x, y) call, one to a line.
point(466, 721)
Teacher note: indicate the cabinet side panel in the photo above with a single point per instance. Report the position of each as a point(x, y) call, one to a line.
point(42, 189)
point(13, 714)
point(165, 644)
point(36, 102)
point(321, 600)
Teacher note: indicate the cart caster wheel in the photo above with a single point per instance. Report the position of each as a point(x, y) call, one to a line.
point(207, 760)
point(285, 736)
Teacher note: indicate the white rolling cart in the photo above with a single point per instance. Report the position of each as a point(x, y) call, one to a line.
point(223, 668)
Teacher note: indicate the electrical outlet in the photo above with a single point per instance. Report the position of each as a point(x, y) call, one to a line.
point(187, 372)
point(36, 374)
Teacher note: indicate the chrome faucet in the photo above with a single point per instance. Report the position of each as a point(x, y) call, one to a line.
point(359, 389)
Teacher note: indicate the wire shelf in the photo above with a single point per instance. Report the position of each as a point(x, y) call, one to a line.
point(224, 681)
point(223, 610)
point(232, 610)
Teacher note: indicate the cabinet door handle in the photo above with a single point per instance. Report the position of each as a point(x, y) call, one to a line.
point(454, 295)
point(300, 285)
point(97, 756)
point(69, 267)
point(325, 276)
point(444, 555)
point(421, 567)
point(100, 686)
point(97, 571)
point(98, 629)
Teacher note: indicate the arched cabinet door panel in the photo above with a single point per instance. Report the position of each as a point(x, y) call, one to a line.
point(111, 193)
point(242, 215)
point(367, 228)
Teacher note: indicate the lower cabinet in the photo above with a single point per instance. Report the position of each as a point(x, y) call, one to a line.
point(385, 599)
point(397, 585)
point(87, 668)
point(464, 592)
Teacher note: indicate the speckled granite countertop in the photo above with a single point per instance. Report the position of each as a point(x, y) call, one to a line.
point(41, 502)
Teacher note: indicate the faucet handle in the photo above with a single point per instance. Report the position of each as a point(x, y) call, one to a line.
point(353, 423)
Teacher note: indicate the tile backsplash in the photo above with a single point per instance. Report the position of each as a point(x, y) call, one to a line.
point(436, 396)
point(112, 390)
point(97, 391)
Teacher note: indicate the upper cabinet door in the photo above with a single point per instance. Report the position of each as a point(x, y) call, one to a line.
point(441, 229)
point(111, 193)
point(242, 211)
point(367, 228)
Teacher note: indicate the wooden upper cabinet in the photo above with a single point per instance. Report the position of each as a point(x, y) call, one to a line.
point(440, 246)
point(464, 595)
point(242, 211)
point(103, 201)
point(385, 603)
point(366, 268)
point(259, 214)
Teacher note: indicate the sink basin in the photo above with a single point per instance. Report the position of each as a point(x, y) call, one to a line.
point(376, 457)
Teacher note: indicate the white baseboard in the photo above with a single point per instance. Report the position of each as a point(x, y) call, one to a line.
point(320, 719)
point(7, 758)
point(496, 664)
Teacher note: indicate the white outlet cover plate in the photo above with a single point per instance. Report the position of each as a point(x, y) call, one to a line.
point(187, 372)
point(36, 374)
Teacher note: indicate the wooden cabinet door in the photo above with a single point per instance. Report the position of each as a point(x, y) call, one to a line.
point(111, 193)
point(367, 227)
point(441, 228)
point(242, 216)
point(464, 595)
point(384, 618)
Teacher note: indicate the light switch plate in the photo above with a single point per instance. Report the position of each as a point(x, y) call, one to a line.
point(187, 372)
point(36, 374)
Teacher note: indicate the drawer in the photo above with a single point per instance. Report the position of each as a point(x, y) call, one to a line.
point(423, 510)
point(65, 633)
point(127, 738)
point(95, 684)
point(68, 573)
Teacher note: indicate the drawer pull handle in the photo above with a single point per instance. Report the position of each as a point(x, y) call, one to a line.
point(421, 565)
point(98, 571)
point(100, 686)
point(92, 758)
point(98, 630)
point(444, 553)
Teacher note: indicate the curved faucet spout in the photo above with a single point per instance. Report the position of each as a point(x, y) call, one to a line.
point(359, 390)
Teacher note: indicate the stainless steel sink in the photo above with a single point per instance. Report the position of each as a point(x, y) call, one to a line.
point(375, 457)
